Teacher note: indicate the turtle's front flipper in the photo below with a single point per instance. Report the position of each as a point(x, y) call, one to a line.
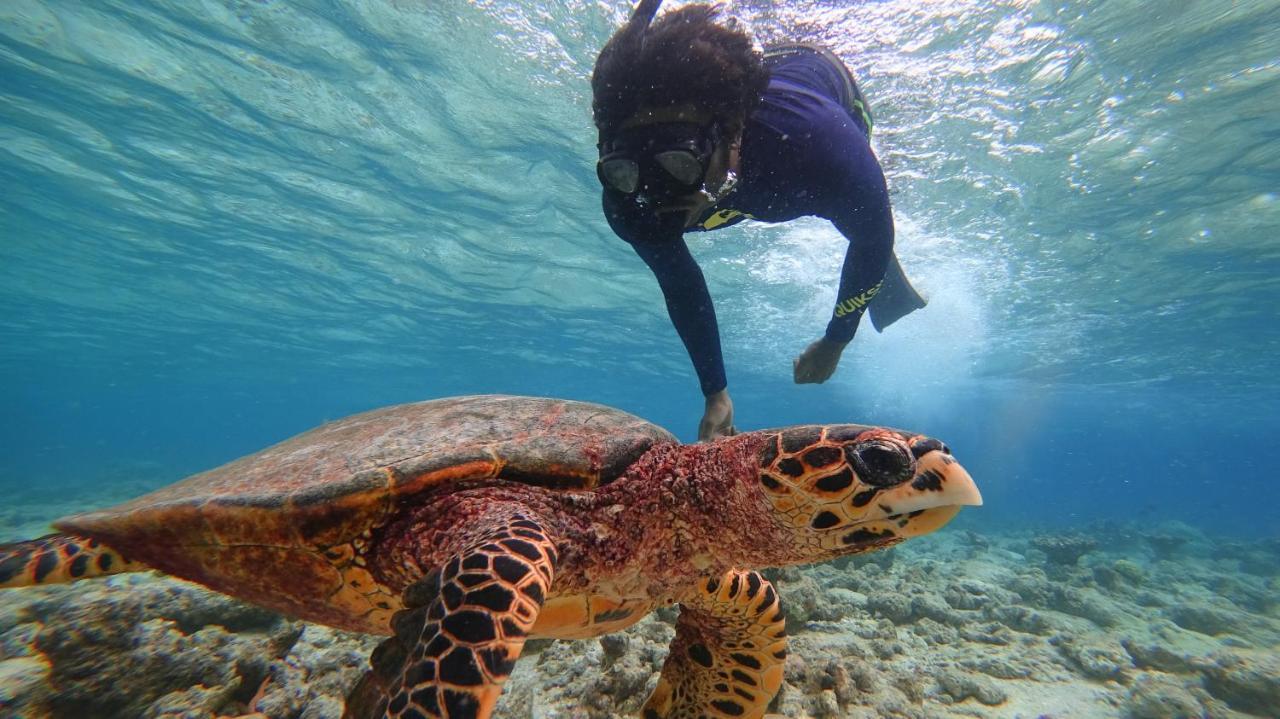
point(727, 656)
point(462, 631)
point(59, 558)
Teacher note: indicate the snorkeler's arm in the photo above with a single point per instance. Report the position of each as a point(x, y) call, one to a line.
point(662, 247)
point(689, 306)
point(862, 214)
point(870, 235)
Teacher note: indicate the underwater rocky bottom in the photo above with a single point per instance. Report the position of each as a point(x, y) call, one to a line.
point(1120, 621)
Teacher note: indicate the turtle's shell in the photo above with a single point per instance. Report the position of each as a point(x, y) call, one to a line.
point(280, 515)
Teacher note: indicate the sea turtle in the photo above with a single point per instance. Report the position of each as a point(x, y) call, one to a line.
point(463, 526)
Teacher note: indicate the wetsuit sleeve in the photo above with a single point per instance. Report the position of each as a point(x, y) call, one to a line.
point(662, 247)
point(862, 214)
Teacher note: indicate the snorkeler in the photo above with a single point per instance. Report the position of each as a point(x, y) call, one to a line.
point(700, 130)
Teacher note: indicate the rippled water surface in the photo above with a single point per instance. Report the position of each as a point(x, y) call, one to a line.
point(225, 222)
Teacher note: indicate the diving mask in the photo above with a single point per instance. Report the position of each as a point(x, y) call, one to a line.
point(658, 161)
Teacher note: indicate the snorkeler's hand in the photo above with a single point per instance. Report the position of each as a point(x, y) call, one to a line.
point(717, 418)
point(818, 361)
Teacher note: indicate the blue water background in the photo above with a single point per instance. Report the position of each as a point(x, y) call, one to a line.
point(225, 223)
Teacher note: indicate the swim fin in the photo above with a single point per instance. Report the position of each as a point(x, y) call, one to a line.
point(896, 299)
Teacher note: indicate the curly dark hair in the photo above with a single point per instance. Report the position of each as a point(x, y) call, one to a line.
point(682, 57)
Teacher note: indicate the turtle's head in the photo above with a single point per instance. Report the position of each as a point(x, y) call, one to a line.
point(845, 489)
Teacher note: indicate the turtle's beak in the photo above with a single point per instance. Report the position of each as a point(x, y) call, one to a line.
point(926, 502)
point(939, 481)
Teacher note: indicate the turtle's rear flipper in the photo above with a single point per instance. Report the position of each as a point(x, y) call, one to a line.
point(462, 630)
point(59, 558)
point(896, 298)
point(727, 656)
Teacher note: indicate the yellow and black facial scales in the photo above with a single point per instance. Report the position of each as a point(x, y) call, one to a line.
point(846, 489)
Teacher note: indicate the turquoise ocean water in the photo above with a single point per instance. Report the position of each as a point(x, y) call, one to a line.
point(223, 223)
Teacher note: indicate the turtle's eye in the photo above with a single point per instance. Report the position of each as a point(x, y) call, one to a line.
point(881, 462)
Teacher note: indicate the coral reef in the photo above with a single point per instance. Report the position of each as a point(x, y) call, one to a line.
point(1246, 681)
point(953, 625)
point(1166, 543)
point(1156, 697)
point(138, 646)
point(1064, 550)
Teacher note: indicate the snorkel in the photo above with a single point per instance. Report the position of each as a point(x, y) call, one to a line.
point(640, 19)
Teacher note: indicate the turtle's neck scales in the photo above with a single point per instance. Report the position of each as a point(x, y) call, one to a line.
point(679, 513)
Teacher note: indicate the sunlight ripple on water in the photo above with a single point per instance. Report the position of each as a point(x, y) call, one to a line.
point(282, 173)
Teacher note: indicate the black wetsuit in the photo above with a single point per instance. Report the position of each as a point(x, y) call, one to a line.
point(803, 153)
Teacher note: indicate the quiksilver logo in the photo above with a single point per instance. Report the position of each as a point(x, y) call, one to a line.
point(853, 304)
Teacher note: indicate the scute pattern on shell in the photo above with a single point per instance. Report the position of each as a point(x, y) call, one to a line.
point(520, 438)
point(258, 523)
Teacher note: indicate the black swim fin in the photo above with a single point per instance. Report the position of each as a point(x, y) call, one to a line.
point(896, 299)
